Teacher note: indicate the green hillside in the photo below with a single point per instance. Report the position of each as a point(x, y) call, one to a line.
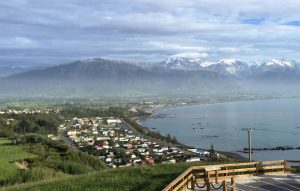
point(8, 155)
point(127, 179)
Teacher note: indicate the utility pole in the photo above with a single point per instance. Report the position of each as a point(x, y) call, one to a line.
point(249, 142)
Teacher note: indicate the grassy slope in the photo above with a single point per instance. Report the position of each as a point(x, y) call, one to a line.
point(130, 179)
point(8, 155)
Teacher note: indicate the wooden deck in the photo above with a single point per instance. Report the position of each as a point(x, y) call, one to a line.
point(281, 182)
point(268, 175)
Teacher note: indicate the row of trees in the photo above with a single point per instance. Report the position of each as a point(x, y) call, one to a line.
point(29, 123)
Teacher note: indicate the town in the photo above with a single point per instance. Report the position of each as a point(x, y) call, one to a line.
point(118, 146)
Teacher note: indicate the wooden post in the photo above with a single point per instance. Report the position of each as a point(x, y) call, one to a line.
point(284, 164)
point(187, 183)
point(257, 166)
point(216, 176)
point(207, 174)
point(208, 184)
point(233, 183)
point(225, 186)
point(193, 183)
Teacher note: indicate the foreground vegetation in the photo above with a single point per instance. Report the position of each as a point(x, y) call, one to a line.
point(43, 159)
point(129, 179)
point(8, 155)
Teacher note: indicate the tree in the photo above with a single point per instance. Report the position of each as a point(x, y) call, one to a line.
point(169, 137)
point(174, 140)
point(24, 126)
point(212, 152)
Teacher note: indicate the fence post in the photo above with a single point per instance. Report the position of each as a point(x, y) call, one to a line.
point(284, 164)
point(224, 185)
point(193, 183)
point(216, 176)
point(233, 183)
point(257, 166)
point(187, 183)
point(207, 184)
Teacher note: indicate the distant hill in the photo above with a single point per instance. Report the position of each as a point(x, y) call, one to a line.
point(173, 76)
point(111, 77)
point(6, 71)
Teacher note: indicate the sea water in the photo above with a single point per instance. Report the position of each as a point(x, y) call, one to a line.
point(275, 123)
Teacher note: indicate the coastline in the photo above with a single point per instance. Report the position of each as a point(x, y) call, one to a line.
point(233, 155)
point(230, 155)
point(152, 111)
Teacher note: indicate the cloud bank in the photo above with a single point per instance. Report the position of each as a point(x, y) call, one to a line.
point(53, 31)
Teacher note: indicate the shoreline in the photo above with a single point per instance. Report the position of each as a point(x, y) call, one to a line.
point(152, 111)
point(230, 155)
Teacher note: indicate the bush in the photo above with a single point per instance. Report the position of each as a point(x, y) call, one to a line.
point(69, 167)
point(34, 174)
point(85, 158)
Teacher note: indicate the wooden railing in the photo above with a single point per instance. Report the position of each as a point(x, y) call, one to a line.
point(225, 173)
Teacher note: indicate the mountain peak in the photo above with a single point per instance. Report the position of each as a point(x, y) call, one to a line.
point(182, 62)
point(228, 61)
point(280, 62)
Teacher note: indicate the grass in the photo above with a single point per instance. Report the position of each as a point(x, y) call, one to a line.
point(128, 179)
point(8, 155)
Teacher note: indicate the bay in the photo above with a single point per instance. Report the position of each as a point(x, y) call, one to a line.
point(275, 123)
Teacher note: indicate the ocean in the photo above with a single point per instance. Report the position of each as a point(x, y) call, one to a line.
point(275, 122)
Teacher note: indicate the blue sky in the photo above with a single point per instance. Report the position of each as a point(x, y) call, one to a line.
point(48, 32)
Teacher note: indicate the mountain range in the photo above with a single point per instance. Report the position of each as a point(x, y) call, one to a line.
point(174, 75)
point(234, 67)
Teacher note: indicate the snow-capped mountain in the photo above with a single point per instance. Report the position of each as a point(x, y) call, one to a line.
point(230, 67)
point(180, 63)
point(224, 66)
point(174, 75)
point(278, 65)
point(278, 69)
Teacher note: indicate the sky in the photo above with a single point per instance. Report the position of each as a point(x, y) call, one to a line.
point(50, 32)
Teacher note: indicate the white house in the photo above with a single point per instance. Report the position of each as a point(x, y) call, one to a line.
point(193, 159)
point(113, 121)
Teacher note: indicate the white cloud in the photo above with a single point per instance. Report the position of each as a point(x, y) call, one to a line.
point(176, 47)
point(191, 55)
point(18, 42)
point(151, 29)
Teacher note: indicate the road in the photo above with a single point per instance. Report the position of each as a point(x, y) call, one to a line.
point(64, 138)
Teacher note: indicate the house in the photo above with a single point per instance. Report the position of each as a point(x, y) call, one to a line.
point(102, 138)
point(193, 159)
point(90, 142)
point(149, 161)
point(118, 160)
point(133, 109)
point(113, 121)
point(128, 146)
point(108, 160)
point(72, 133)
point(145, 153)
point(135, 161)
point(171, 161)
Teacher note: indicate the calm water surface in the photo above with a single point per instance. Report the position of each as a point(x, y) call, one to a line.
point(276, 123)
